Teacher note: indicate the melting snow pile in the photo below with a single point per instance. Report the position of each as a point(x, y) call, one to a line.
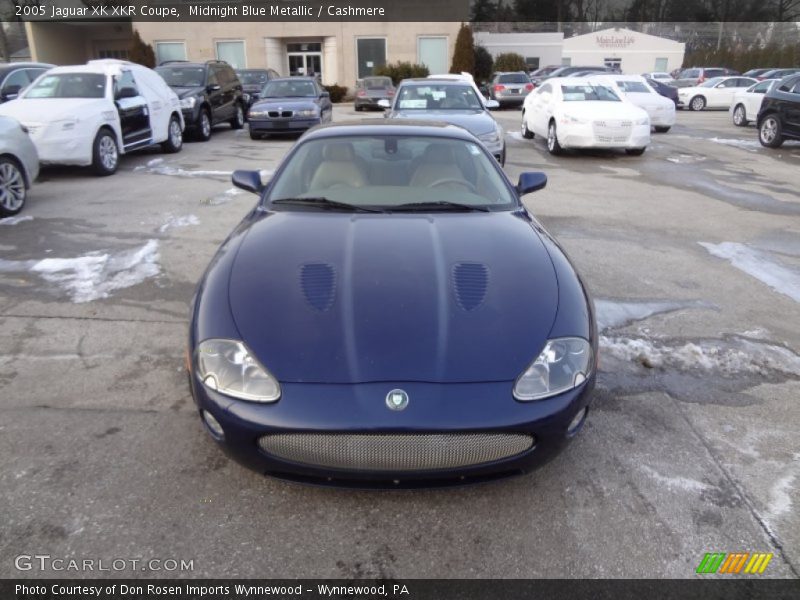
point(15, 220)
point(175, 222)
point(611, 314)
point(223, 197)
point(158, 167)
point(751, 145)
point(95, 276)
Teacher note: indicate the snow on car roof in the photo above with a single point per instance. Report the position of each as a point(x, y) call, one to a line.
point(104, 67)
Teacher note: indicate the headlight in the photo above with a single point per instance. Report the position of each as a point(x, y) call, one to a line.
point(307, 112)
point(492, 137)
point(227, 367)
point(257, 113)
point(188, 102)
point(571, 119)
point(564, 364)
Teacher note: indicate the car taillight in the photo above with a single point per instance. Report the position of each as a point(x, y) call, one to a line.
point(499, 88)
point(528, 87)
point(361, 93)
point(390, 93)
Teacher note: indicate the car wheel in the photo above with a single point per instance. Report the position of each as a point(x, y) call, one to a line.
point(174, 141)
point(359, 108)
point(254, 135)
point(12, 187)
point(662, 129)
point(552, 140)
point(697, 103)
point(237, 122)
point(105, 153)
point(526, 133)
point(204, 126)
point(739, 116)
point(769, 132)
point(634, 151)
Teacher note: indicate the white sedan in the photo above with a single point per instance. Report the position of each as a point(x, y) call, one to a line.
point(19, 166)
point(746, 103)
point(573, 112)
point(717, 92)
point(636, 90)
point(91, 114)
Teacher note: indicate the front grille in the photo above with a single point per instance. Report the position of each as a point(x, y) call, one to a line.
point(612, 131)
point(395, 452)
point(284, 114)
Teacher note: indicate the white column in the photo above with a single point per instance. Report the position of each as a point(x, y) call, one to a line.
point(275, 55)
point(330, 62)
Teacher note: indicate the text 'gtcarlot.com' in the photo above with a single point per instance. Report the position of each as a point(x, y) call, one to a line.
point(46, 562)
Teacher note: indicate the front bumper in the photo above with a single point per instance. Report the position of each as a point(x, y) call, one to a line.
point(662, 118)
point(278, 125)
point(369, 102)
point(361, 409)
point(584, 136)
point(63, 148)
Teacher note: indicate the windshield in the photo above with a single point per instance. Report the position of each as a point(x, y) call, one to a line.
point(385, 172)
point(588, 93)
point(633, 87)
point(377, 83)
point(286, 88)
point(711, 82)
point(252, 77)
point(183, 76)
point(437, 97)
point(513, 78)
point(69, 85)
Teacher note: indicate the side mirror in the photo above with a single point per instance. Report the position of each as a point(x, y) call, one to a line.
point(384, 103)
point(126, 92)
point(11, 92)
point(492, 104)
point(248, 180)
point(324, 94)
point(532, 181)
point(214, 87)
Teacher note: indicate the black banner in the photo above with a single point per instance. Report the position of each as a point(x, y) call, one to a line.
point(750, 588)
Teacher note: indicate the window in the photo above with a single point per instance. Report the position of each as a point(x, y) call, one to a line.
point(613, 63)
point(432, 52)
point(125, 80)
point(306, 47)
point(566, 61)
point(18, 79)
point(532, 62)
point(661, 64)
point(117, 54)
point(232, 53)
point(513, 78)
point(370, 54)
point(633, 87)
point(761, 88)
point(170, 51)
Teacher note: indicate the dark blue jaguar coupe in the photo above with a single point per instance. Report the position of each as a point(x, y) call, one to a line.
point(390, 315)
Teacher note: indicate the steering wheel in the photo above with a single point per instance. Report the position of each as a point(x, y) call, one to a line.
point(446, 180)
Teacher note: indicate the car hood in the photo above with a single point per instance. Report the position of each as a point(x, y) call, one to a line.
point(47, 110)
point(343, 298)
point(477, 122)
point(286, 103)
point(648, 100)
point(185, 92)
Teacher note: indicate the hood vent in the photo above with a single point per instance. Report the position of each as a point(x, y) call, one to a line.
point(318, 281)
point(470, 281)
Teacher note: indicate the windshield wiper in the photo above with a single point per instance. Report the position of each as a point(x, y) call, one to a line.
point(439, 205)
point(322, 202)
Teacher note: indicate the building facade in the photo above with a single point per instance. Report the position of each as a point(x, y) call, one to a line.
point(538, 49)
point(630, 51)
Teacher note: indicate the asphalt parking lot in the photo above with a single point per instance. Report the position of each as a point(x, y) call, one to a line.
point(692, 252)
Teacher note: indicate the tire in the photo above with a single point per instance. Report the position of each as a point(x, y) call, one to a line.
point(697, 103)
point(770, 131)
point(13, 192)
point(237, 122)
point(552, 140)
point(254, 135)
point(634, 151)
point(359, 108)
point(740, 116)
point(204, 126)
point(663, 129)
point(105, 153)
point(174, 141)
point(503, 157)
point(526, 133)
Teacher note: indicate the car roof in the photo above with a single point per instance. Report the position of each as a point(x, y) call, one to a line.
point(571, 80)
point(437, 80)
point(293, 78)
point(409, 127)
point(108, 66)
point(23, 65)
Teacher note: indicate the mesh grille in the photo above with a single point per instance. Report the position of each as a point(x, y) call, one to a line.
point(395, 452)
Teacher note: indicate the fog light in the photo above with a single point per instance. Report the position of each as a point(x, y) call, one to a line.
point(577, 422)
point(213, 425)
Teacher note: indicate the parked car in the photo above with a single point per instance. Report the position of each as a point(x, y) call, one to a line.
point(659, 76)
point(747, 102)
point(698, 75)
point(91, 114)
point(757, 73)
point(289, 104)
point(714, 93)
point(451, 101)
point(779, 117)
point(464, 77)
point(509, 89)
point(636, 90)
point(390, 315)
point(15, 77)
point(668, 91)
point(568, 71)
point(19, 166)
point(539, 74)
point(210, 93)
point(253, 81)
point(576, 113)
point(371, 90)
point(780, 73)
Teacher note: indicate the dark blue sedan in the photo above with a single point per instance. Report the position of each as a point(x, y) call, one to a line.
point(390, 314)
point(291, 104)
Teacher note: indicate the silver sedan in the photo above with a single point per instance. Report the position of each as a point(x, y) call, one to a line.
point(19, 166)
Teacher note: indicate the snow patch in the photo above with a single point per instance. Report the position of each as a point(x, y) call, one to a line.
point(612, 314)
point(682, 159)
point(223, 197)
point(680, 483)
point(759, 265)
point(751, 145)
point(516, 135)
point(15, 220)
point(175, 222)
point(95, 276)
point(158, 168)
point(780, 500)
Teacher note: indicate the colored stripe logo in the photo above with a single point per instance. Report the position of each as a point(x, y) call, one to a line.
point(754, 563)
